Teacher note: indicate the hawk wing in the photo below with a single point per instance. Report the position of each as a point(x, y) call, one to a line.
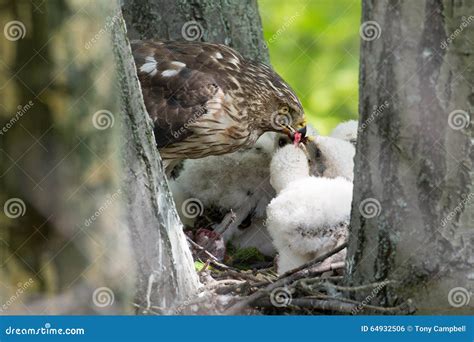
point(179, 83)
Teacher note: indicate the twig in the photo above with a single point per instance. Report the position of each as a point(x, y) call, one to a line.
point(315, 260)
point(359, 306)
point(334, 306)
point(360, 287)
point(214, 260)
point(285, 279)
point(149, 310)
point(313, 304)
point(221, 284)
point(243, 275)
point(230, 217)
point(206, 265)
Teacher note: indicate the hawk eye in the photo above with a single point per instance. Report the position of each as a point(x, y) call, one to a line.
point(285, 109)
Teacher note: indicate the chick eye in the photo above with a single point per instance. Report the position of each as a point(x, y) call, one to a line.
point(282, 142)
point(285, 109)
point(317, 153)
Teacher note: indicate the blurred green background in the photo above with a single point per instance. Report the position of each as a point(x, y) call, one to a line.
point(314, 46)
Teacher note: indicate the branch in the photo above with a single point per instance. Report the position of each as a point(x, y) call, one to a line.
point(316, 260)
point(285, 279)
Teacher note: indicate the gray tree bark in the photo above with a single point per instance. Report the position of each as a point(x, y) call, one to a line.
point(166, 275)
point(412, 218)
point(234, 23)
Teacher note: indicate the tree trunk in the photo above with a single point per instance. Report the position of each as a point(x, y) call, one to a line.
point(166, 275)
point(63, 240)
point(233, 23)
point(164, 262)
point(412, 217)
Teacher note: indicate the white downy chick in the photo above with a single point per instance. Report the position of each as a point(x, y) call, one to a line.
point(346, 131)
point(310, 215)
point(237, 181)
point(331, 157)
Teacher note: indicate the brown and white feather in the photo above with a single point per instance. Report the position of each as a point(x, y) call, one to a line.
point(206, 99)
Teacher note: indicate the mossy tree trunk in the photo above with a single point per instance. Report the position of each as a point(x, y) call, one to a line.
point(64, 245)
point(412, 214)
point(165, 269)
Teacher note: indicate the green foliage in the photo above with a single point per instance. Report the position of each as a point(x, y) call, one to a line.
point(314, 46)
point(245, 257)
point(198, 265)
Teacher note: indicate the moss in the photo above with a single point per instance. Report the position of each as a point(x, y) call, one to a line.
point(198, 266)
point(246, 257)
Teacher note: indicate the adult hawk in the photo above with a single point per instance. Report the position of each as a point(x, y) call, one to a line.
point(206, 99)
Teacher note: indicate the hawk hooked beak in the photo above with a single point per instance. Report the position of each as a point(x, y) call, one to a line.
point(296, 136)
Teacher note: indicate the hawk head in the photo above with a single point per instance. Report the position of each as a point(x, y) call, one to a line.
point(282, 110)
